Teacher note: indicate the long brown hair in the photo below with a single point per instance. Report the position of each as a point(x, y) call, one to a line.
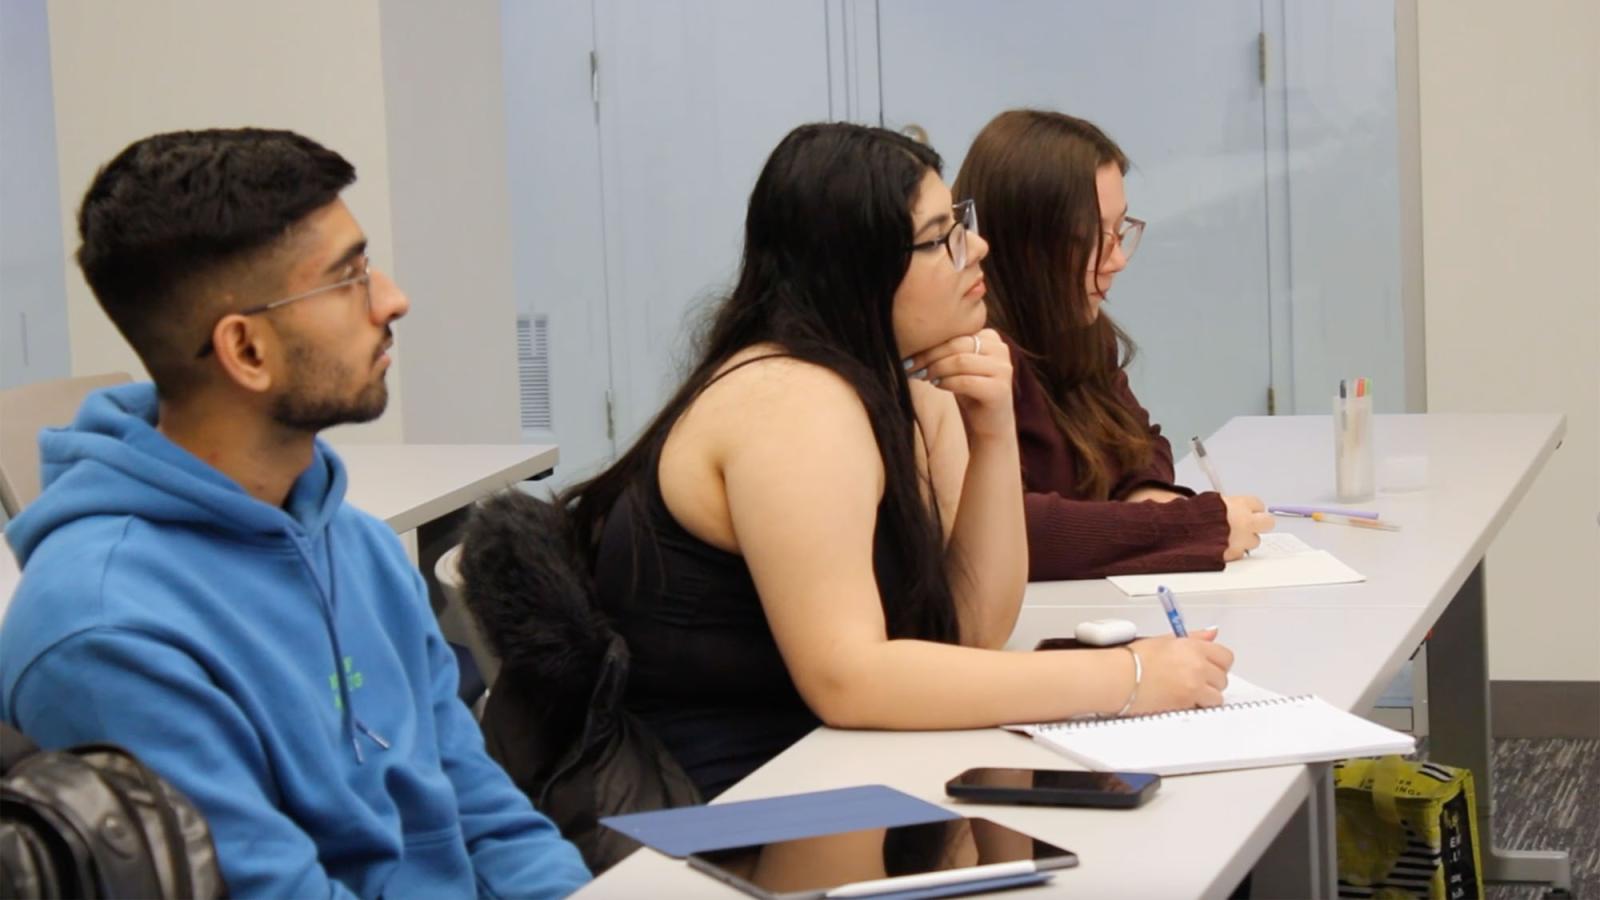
point(1032, 174)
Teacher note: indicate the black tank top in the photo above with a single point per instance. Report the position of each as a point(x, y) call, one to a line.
point(705, 674)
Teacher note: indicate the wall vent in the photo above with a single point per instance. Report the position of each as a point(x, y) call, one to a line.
point(533, 371)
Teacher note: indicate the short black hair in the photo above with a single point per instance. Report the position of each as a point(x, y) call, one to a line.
point(174, 208)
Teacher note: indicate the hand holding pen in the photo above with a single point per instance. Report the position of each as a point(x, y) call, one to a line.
point(1184, 671)
point(1247, 516)
point(1206, 465)
point(1169, 605)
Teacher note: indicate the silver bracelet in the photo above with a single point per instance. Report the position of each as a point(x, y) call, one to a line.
point(1138, 677)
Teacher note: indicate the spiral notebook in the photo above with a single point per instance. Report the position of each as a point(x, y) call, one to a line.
point(1254, 728)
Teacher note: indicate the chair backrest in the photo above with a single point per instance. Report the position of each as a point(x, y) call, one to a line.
point(456, 621)
point(24, 412)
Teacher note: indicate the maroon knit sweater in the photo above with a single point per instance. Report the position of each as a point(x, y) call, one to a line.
point(1073, 537)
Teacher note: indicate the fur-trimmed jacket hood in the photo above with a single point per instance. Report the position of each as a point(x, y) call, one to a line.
point(555, 717)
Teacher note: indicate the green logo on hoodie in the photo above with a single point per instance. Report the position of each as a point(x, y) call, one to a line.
point(351, 677)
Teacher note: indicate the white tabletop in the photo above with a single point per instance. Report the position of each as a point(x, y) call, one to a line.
point(1343, 642)
point(407, 485)
point(1478, 468)
point(1211, 816)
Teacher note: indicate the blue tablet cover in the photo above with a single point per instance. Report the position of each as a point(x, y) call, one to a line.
point(696, 829)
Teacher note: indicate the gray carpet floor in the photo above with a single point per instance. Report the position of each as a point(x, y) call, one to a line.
point(1547, 797)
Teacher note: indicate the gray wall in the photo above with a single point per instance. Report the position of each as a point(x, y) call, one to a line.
point(33, 295)
point(443, 95)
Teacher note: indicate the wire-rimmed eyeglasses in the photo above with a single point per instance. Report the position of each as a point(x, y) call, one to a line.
point(1128, 238)
point(364, 279)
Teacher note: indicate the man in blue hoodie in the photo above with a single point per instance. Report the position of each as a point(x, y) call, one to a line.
point(195, 587)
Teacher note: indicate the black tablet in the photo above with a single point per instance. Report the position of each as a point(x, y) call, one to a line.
point(948, 855)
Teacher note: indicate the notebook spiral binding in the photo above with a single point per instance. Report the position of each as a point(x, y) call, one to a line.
point(1085, 724)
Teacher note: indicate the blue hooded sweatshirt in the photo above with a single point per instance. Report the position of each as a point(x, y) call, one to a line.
point(281, 666)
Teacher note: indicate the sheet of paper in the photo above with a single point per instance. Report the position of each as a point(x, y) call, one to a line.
point(1278, 544)
point(1282, 560)
point(1241, 691)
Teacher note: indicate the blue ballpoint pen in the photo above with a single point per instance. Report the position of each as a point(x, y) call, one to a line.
point(1170, 604)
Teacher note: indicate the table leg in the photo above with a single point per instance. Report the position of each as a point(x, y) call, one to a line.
point(1459, 735)
point(1303, 860)
point(1324, 834)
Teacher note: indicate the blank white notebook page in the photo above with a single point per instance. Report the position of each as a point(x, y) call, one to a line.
point(1282, 560)
point(1267, 732)
point(1242, 691)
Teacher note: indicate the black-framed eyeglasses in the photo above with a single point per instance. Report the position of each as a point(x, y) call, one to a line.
point(954, 241)
point(364, 279)
point(1127, 238)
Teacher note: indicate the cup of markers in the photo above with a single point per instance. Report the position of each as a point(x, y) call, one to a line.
point(1354, 469)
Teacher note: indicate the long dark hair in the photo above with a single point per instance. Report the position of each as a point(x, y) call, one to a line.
point(1032, 174)
point(824, 250)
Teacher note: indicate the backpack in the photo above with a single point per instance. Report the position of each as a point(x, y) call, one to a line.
point(93, 821)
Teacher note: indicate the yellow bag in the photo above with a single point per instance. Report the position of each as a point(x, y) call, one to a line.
point(1406, 830)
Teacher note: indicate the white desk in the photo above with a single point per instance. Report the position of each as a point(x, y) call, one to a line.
point(430, 488)
point(1223, 821)
point(1479, 468)
point(415, 485)
point(1352, 640)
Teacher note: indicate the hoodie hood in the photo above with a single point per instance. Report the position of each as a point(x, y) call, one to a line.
point(112, 461)
point(282, 667)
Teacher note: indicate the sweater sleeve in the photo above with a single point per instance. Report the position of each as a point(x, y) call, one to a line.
point(1095, 538)
point(1158, 473)
point(1075, 537)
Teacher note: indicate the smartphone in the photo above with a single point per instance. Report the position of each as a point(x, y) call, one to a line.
point(1054, 787)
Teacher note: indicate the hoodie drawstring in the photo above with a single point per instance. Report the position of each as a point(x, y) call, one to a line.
point(329, 610)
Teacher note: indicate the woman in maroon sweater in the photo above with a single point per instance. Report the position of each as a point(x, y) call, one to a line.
point(1100, 499)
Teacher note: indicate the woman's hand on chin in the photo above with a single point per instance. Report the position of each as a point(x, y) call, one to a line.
point(976, 368)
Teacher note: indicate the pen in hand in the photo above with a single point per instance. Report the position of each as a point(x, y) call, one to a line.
point(1205, 464)
point(1204, 460)
point(1170, 604)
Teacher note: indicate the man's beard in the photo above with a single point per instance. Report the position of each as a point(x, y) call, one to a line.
point(310, 405)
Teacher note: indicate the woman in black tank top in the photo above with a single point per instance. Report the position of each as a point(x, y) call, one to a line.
point(706, 674)
point(824, 523)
